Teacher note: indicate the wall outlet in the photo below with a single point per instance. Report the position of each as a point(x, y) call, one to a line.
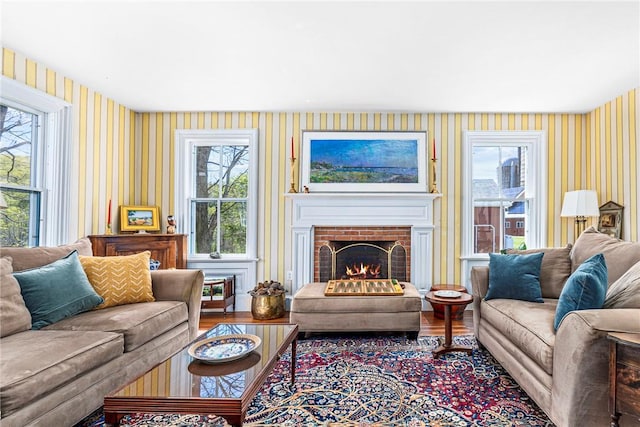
point(289, 275)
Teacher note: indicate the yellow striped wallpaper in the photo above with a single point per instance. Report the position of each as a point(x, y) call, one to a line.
point(567, 149)
point(612, 160)
point(129, 156)
point(101, 137)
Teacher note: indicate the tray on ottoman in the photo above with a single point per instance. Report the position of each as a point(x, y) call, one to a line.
point(379, 287)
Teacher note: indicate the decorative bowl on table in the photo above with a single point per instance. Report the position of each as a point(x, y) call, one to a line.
point(224, 348)
point(447, 294)
point(204, 369)
point(457, 312)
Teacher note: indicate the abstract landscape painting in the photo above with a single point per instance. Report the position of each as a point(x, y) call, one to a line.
point(362, 161)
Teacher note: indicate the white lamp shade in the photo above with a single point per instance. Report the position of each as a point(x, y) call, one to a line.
point(580, 203)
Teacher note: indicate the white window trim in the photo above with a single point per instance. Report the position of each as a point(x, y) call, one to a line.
point(537, 142)
point(186, 140)
point(56, 136)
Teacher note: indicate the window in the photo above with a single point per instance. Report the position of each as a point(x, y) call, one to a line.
point(503, 186)
point(34, 131)
point(219, 187)
point(20, 154)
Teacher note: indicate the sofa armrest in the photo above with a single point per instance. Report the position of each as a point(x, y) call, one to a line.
point(479, 287)
point(480, 281)
point(181, 285)
point(581, 361)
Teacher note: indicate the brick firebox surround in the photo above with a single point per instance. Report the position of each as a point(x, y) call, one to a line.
point(323, 235)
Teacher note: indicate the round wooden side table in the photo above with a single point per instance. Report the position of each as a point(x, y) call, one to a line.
point(461, 300)
point(457, 312)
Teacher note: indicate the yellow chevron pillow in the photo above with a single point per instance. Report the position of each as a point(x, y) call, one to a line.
point(120, 279)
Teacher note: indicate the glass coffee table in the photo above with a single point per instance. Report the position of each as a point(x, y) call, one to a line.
point(184, 385)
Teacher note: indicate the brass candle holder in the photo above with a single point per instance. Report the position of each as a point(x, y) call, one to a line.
point(108, 232)
point(292, 189)
point(434, 188)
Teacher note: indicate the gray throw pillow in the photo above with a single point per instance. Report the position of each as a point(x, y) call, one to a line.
point(14, 316)
point(625, 292)
point(619, 255)
point(26, 258)
point(555, 268)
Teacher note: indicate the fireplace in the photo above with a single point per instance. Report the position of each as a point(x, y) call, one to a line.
point(380, 219)
point(337, 247)
point(362, 260)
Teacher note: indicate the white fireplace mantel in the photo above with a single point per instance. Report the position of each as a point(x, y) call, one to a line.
point(309, 210)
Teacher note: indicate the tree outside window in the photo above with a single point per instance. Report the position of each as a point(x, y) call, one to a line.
point(19, 148)
point(219, 208)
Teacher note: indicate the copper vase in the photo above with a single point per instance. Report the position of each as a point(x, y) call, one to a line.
point(264, 307)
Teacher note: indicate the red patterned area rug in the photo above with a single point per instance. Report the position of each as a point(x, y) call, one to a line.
point(378, 381)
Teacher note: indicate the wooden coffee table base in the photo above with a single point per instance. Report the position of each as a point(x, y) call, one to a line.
point(448, 345)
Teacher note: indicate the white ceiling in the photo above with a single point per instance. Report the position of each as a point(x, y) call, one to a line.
point(419, 56)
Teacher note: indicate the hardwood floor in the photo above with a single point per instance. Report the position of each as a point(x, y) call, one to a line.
point(429, 325)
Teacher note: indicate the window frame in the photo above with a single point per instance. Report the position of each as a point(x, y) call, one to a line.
point(186, 142)
point(54, 156)
point(537, 168)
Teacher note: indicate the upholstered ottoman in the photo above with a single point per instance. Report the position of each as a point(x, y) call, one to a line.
point(312, 311)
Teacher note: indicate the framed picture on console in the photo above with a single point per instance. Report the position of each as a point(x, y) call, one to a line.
point(139, 218)
point(610, 221)
point(345, 161)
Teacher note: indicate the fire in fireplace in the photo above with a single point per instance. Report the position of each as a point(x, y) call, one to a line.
point(362, 260)
point(364, 271)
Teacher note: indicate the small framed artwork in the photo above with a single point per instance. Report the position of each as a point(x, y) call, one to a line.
point(345, 161)
point(139, 218)
point(610, 221)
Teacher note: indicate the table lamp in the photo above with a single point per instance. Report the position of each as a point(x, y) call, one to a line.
point(580, 204)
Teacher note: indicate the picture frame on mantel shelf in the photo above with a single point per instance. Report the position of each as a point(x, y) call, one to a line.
point(139, 218)
point(366, 161)
point(610, 221)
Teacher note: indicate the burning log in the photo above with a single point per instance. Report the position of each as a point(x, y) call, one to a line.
point(365, 271)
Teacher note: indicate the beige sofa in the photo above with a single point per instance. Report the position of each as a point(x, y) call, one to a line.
point(564, 372)
point(59, 374)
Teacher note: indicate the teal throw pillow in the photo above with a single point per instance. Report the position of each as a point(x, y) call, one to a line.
point(585, 289)
point(56, 291)
point(515, 277)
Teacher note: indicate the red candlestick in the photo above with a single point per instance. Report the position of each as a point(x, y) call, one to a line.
point(109, 213)
point(434, 149)
point(292, 156)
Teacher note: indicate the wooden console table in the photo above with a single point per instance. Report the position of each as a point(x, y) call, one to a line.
point(169, 249)
point(624, 376)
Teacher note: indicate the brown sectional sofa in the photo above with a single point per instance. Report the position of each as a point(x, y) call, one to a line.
point(59, 374)
point(564, 372)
